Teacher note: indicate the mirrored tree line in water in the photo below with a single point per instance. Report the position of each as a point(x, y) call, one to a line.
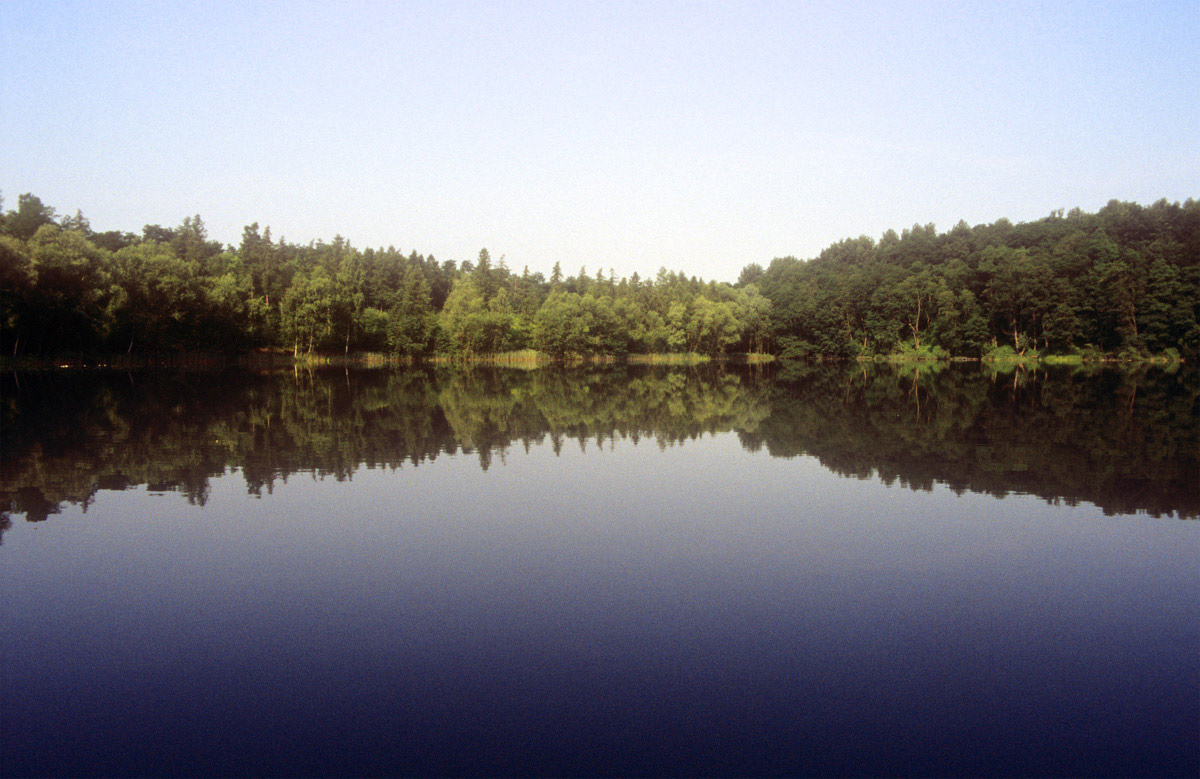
point(1126, 441)
point(1124, 281)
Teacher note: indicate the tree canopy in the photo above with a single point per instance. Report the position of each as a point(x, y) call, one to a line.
point(1124, 280)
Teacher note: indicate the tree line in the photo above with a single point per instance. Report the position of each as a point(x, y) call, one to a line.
point(1123, 281)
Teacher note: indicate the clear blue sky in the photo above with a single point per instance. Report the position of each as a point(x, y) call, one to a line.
point(692, 135)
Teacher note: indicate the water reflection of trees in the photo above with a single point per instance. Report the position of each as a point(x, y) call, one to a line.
point(1126, 441)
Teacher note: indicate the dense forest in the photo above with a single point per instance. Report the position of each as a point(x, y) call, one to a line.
point(1125, 440)
point(1123, 282)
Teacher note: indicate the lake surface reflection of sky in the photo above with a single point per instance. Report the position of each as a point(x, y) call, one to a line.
point(697, 608)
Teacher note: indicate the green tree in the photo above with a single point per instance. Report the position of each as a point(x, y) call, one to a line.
point(74, 294)
point(17, 279)
point(162, 300)
point(412, 325)
point(30, 215)
point(308, 310)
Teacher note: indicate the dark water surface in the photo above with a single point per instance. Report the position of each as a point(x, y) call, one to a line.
point(808, 570)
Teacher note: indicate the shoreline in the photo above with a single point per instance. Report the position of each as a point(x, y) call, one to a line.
point(528, 359)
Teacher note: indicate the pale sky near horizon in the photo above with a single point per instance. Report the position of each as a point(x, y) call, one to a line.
point(696, 136)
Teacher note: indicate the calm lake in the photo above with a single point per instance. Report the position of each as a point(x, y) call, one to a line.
point(780, 570)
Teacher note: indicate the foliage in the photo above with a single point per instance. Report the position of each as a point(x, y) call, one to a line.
point(1006, 354)
point(911, 351)
point(1123, 282)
